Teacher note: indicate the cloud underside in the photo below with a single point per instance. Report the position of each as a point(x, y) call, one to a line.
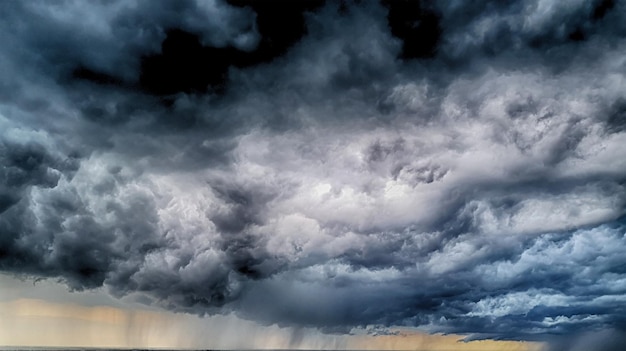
point(456, 167)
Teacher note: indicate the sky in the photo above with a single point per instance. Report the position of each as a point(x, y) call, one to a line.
point(318, 173)
point(45, 315)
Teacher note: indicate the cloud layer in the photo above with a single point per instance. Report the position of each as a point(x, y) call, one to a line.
point(452, 166)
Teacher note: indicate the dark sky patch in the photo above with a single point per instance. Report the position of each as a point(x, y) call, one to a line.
point(185, 66)
point(281, 24)
point(95, 77)
point(601, 8)
point(417, 25)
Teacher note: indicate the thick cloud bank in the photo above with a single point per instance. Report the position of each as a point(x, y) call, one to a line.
point(455, 166)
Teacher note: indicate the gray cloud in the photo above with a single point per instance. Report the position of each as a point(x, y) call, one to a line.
point(604, 340)
point(342, 177)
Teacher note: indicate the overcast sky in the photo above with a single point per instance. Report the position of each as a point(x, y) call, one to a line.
point(454, 166)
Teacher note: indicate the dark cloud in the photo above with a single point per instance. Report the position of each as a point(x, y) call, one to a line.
point(604, 340)
point(446, 165)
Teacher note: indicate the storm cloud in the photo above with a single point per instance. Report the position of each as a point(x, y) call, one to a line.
point(453, 166)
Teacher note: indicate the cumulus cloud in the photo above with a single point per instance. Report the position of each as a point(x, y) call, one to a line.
point(450, 166)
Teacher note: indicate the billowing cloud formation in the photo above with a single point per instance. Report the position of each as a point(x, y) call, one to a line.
point(453, 166)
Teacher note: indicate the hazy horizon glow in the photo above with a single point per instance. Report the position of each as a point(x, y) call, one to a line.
point(37, 323)
point(49, 316)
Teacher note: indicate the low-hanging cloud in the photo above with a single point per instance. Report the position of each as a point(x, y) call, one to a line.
point(463, 175)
